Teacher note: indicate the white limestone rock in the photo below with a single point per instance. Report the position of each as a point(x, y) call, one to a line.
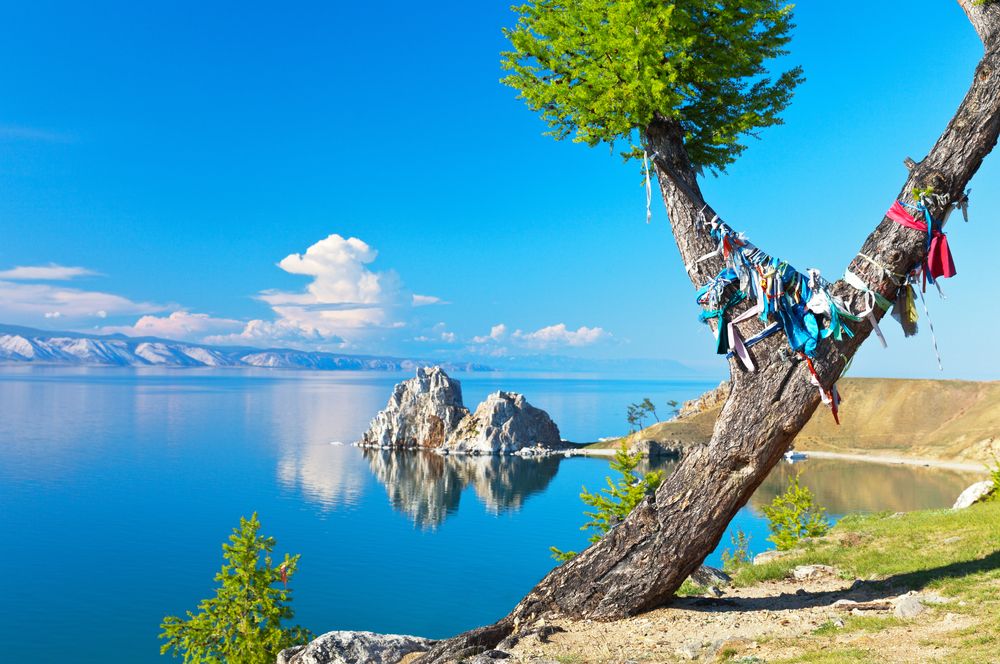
point(345, 647)
point(974, 494)
point(422, 412)
point(505, 424)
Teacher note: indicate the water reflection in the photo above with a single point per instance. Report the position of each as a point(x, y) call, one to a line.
point(428, 486)
point(843, 487)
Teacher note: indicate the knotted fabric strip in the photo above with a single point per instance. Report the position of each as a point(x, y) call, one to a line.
point(872, 300)
point(939, 262)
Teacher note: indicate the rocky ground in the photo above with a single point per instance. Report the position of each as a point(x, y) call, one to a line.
point(915, 587)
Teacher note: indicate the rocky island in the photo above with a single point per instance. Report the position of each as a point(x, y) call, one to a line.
point(427, 412)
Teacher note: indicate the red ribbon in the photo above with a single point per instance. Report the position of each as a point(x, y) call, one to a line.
point(939, 260)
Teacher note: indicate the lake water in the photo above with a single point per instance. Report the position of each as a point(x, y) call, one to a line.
point(117, 488)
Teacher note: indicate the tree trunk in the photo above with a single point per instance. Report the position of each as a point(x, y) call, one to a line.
point(640, 563)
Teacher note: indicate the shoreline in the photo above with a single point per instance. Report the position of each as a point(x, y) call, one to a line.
point(971, 467)
point(888, 460)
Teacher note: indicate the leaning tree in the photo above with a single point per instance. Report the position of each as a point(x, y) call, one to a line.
point(682, 83)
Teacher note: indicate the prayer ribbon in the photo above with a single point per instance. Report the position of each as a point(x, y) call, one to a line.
point(649, 187)
point(939, 261)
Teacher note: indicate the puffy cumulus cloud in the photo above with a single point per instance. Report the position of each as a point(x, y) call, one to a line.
point(180, 325)
point(346, 303)
point(560, 335)
point(284, 332)
point(497, 332)
point(31, 303)
point(552, 336)
point(50, 272)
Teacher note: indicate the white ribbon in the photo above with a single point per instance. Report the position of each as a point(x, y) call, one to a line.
point(649, 187)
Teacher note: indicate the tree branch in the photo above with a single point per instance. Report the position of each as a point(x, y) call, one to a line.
point(642, 561)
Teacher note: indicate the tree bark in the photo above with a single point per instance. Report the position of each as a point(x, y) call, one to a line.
point(640, 563)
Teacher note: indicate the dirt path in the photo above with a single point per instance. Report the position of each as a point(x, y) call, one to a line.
point(757, 623)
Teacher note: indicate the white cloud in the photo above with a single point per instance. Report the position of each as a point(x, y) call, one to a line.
point(50, 272)
point(552, 336)
point(280, 332)
point(559, 335)
point(181, 325)
point(346, 303)
point(497, 333)
point(425, 300)
point(29, 303)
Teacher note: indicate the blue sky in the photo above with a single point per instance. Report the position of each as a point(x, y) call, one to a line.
point(183, 158)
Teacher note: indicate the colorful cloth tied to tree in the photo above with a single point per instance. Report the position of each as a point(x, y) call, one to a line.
point(939, 262)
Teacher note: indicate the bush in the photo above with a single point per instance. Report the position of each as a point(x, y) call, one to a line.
point(242, 623)
point(740, 555)
point(794, 516)
point(617, 501)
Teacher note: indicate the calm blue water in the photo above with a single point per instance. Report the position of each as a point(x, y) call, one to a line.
point(117, 488)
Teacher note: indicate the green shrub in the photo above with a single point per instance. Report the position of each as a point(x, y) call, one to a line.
point(614, 503)
point(740, 555)
point(242, 623)
point(794, 515)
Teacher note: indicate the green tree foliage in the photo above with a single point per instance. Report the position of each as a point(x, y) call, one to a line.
point(242, 624)
point(794, 515)
point(612, 504)
point(597, 70)
point(648, 406)
point(740, 554)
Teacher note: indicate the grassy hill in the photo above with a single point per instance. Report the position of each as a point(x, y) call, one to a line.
point(934, 419)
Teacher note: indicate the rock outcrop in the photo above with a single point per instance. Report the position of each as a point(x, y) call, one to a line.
point(978, 492)
point(422, 412)
point(505, 424)
point(427, 412)
point(353, 647)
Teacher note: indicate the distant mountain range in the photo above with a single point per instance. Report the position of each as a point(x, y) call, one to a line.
point(25, 344)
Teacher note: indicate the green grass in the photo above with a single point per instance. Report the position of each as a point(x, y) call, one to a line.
point(913, 551)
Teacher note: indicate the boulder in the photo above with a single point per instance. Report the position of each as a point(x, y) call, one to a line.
point(653, 449)
point(768, 556)
point(974, 494)
point(353, 647)
point(422, 412)
point(707, 577)
point(908, 606)
point(505, 424)
point(803, 572)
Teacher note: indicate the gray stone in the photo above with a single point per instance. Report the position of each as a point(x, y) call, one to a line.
point(353, 647)
point(427, 412)
point(422, 412)
point(690, 650)
point(706, 576)
point(767, 557)
point(653, 449)
point(803, 572)
point(974, 494)
point(505, 423)
point(908, 606)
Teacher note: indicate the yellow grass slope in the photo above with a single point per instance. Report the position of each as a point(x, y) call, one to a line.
point(934, 419)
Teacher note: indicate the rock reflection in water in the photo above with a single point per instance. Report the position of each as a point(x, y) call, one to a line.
point(428, 486)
